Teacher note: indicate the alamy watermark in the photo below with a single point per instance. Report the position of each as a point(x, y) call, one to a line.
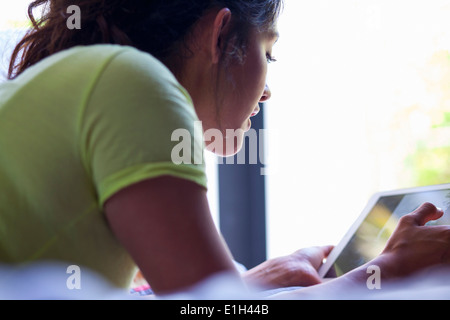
point(374, 280)
point(73, 282)
point(189, 150)
point(74, 20)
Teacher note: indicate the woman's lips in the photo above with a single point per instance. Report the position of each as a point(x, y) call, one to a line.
point(255, 112)
point(249, 122)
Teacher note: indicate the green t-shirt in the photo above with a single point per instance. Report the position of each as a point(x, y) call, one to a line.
point(74, 129)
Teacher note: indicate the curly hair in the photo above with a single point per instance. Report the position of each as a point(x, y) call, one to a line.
point(158, 27)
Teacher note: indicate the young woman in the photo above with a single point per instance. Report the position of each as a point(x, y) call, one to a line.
point(86, 124)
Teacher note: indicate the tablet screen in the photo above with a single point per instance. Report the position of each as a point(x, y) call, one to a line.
point(372, 235)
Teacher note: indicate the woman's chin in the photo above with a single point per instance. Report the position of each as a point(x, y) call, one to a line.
point(227, 150)
point(249, 125)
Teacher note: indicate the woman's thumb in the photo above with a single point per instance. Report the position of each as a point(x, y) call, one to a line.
point(425, 213)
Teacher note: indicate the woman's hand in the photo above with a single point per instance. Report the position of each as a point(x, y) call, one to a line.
point(414, 246)
point(297, 269)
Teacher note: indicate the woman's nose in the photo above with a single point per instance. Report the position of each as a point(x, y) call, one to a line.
point(266, 94)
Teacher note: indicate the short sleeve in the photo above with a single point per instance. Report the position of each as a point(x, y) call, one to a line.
point(129, 123)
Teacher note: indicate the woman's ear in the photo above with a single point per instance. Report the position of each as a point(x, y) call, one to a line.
point(222, 24)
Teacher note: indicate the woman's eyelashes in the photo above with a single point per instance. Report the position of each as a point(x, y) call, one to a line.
point(270, 58)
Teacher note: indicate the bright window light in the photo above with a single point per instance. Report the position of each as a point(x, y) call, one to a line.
point(360, 103)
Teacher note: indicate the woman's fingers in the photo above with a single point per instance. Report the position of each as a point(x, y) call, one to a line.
point(425, 213)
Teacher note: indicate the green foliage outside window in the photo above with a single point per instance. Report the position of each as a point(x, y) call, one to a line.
point(430, 163)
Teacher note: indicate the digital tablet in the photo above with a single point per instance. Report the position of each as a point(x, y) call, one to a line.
point(368, 236)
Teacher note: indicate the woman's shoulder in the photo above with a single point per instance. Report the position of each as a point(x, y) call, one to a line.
point(125, 66)
point(125, 61)
point(117, 67)
point(111, 52)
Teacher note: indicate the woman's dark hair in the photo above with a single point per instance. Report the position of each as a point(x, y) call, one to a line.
point(158, 27)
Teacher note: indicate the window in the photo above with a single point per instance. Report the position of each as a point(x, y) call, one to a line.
point(13, 21)
point(360, 103)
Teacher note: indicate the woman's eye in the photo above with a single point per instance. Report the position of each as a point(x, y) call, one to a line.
point(270, 58)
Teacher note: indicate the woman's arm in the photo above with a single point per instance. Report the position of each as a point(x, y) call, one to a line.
point(413, 247)
point(166, 226)
point(299, 269)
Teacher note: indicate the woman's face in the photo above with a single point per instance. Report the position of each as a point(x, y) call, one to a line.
point(242, 86)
